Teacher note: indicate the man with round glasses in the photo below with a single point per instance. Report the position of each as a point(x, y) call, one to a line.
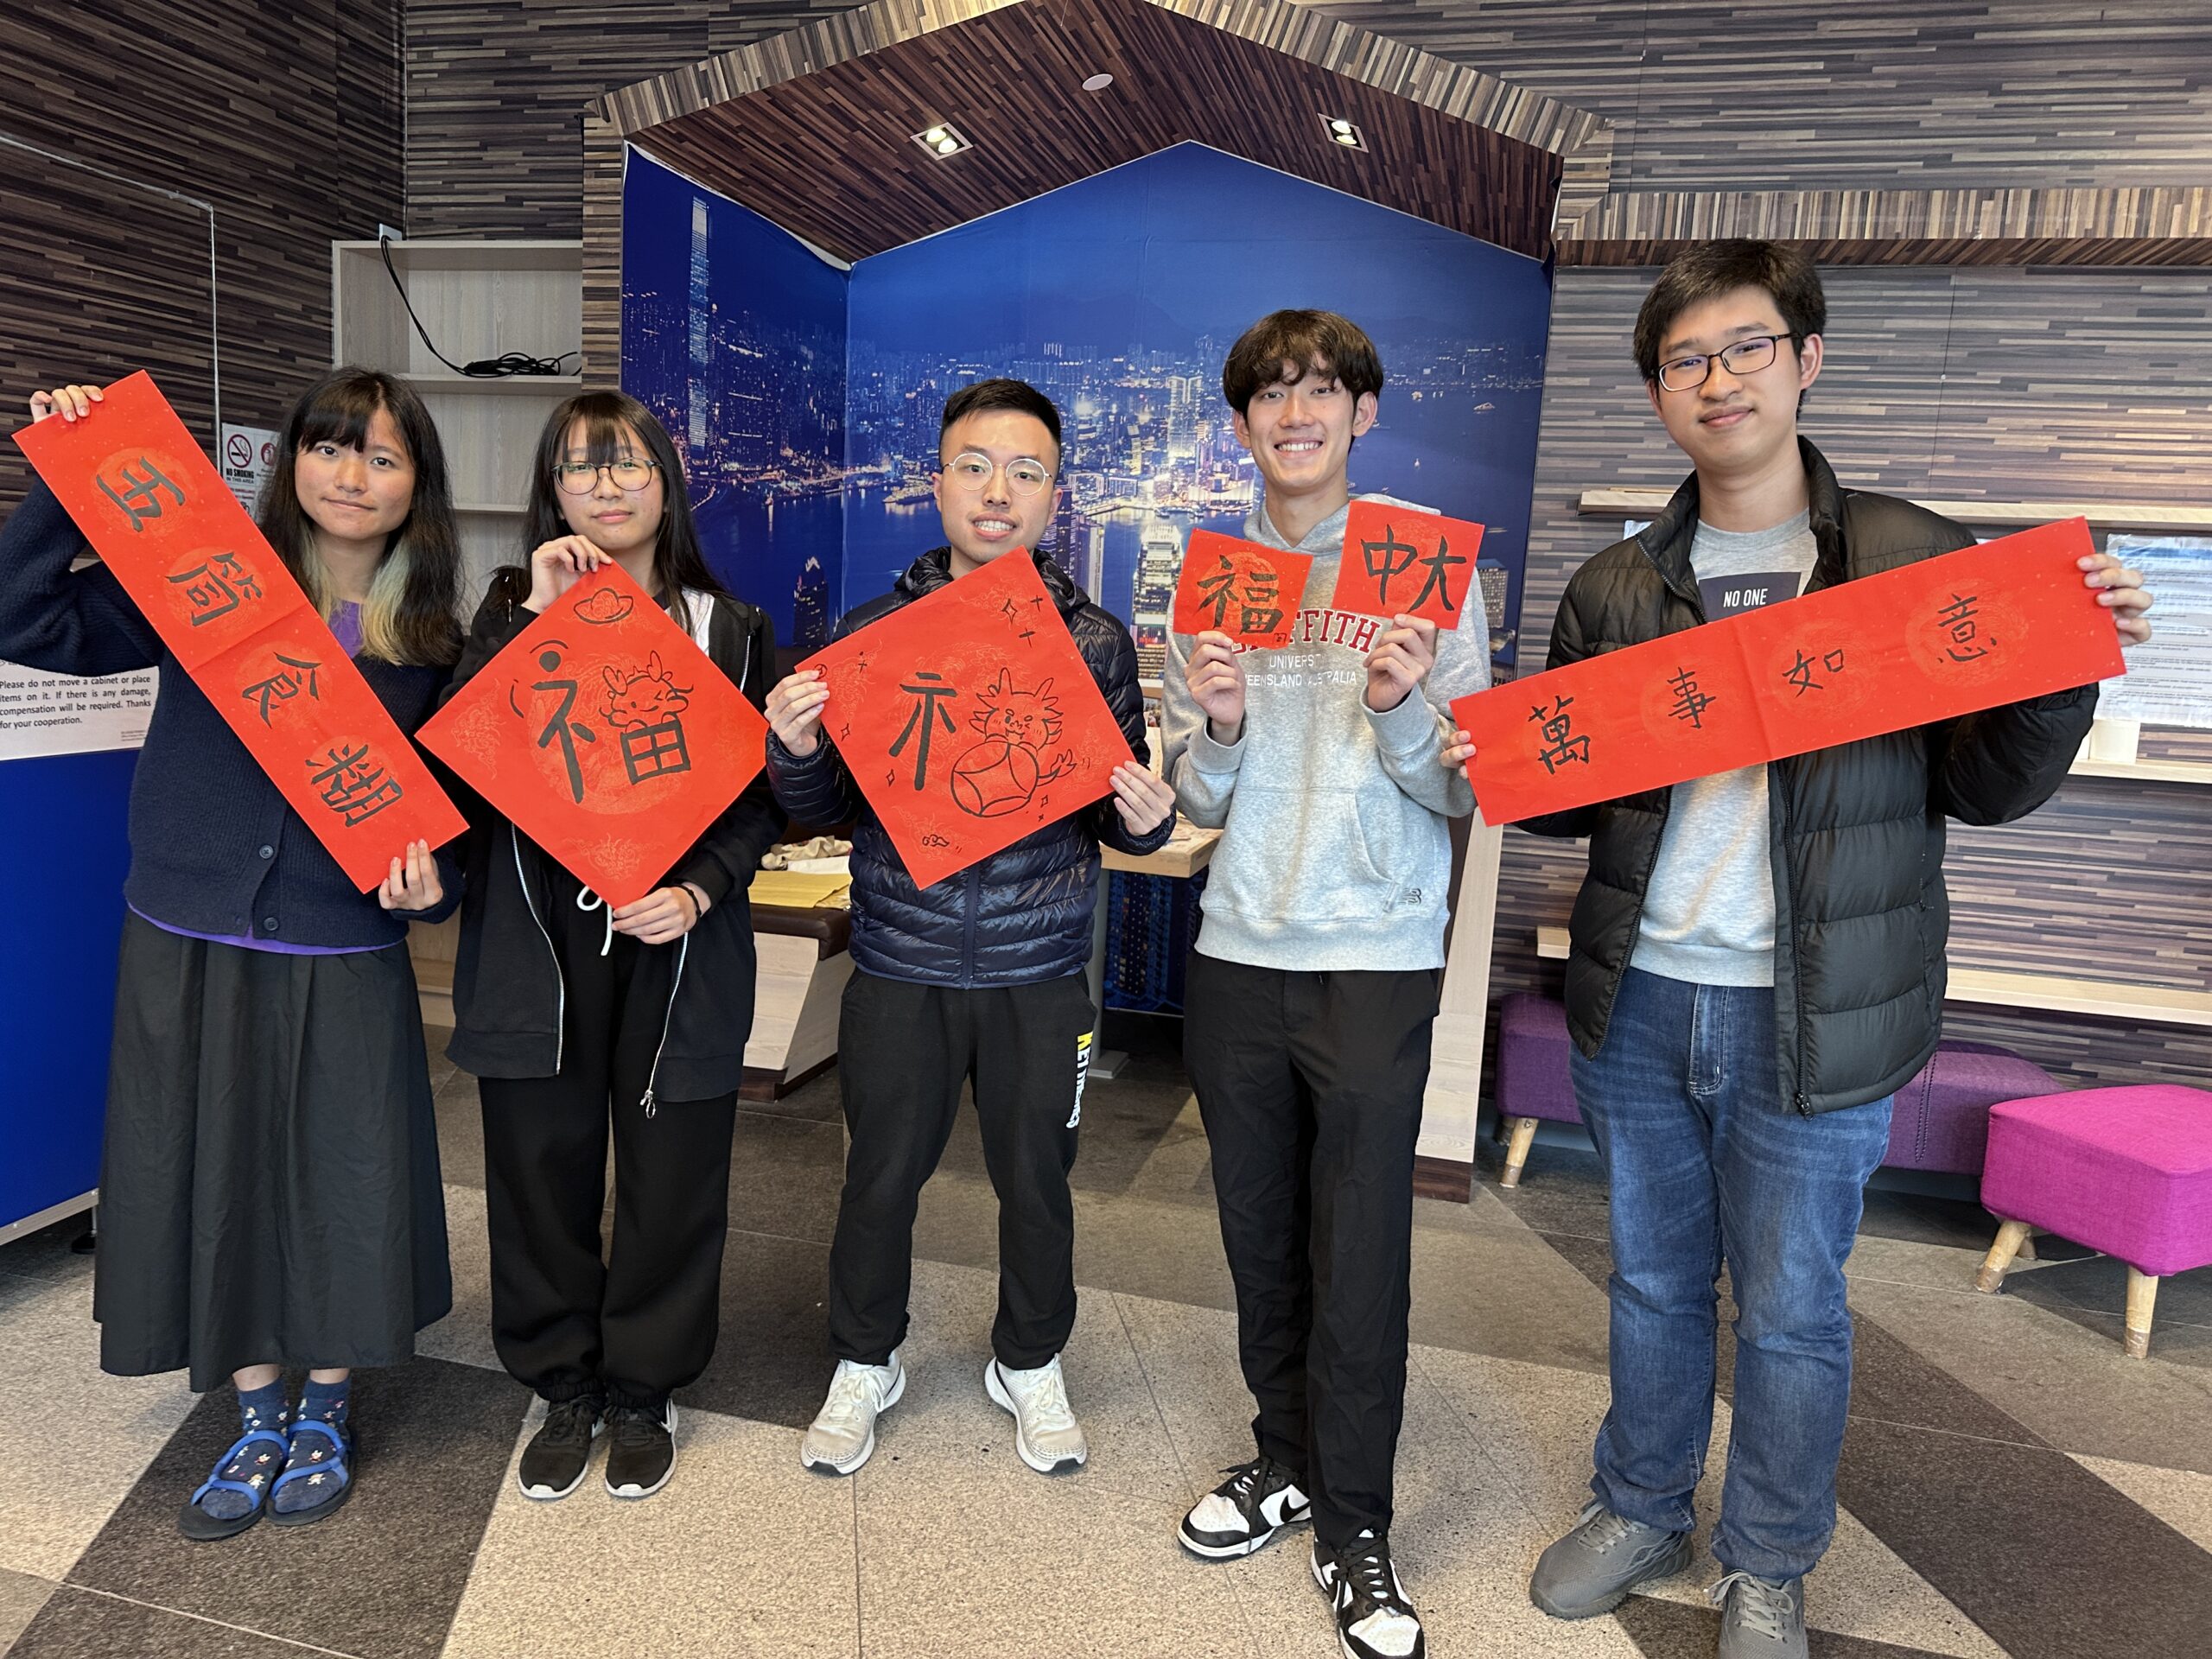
point(1757, 965)
point(980, 975)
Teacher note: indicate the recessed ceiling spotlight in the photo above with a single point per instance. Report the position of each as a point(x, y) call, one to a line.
point(1342, 131)
point(942, 140)
point(1097, 83)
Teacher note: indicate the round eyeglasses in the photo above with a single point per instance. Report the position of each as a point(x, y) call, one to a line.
point(1745, 356)
point(581, 477)
point(971, 472)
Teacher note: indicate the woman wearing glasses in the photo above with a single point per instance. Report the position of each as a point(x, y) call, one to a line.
point(572, 1014)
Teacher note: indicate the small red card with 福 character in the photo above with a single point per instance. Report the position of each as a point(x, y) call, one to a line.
point(606, 735)
point(1241, 588)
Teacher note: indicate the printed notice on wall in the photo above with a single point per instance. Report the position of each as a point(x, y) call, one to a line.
point(249, 454)
point(61, 714)
point(2169, 681)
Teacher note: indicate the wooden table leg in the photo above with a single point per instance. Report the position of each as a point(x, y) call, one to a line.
point(2142, 1295)
point(2000, 1255)
point(1516, 1151)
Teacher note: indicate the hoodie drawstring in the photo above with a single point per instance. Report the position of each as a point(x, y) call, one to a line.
point(587, 900)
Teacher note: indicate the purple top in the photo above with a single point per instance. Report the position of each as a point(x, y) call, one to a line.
point(345, 624)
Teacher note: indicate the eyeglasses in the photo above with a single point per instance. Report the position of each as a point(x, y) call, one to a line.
point(581, 477)
point(1746, 356)
point(971, 472)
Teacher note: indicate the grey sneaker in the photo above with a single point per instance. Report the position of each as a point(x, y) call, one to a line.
point(1759, 1619)
point(1592, 1570)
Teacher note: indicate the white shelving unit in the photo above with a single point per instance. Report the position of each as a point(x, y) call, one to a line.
point(478, 300)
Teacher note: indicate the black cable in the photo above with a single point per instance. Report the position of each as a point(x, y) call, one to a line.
point(484, 368)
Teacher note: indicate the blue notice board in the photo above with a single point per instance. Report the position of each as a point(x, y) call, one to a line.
point(62, 823)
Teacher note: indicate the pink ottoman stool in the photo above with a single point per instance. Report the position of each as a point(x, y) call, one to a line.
point(2128, 1172)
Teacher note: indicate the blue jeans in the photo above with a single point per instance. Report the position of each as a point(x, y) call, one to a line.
point(1707, 1161)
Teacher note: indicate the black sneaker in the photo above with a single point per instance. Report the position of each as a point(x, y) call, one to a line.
point(1258, 1500)
point(641, 1449)
point(1374, 1619)
point(554, 1462)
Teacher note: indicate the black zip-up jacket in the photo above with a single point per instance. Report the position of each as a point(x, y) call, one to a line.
point(508, 997)
point(214, 848)
point(1021, 916)
point(1861, 915)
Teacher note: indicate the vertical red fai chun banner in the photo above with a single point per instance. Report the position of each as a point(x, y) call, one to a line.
point(192, 559)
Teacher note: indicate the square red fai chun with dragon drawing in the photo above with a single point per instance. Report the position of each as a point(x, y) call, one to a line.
point(607, 736)
point(968, 718)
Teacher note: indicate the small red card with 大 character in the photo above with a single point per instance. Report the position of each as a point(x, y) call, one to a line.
point(968, 718)
point(199, 570)
point(606, 735)
point(1402, 562)
point(1972, 630)
point(1241, 588)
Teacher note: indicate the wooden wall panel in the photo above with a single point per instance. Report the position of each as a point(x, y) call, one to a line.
point(286, 121)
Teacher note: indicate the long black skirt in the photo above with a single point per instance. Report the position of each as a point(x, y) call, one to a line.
point(268, 1191)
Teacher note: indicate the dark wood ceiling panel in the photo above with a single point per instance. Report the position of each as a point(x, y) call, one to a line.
point(829, 155)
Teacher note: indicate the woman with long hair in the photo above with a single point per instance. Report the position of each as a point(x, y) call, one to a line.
point(575, 1016)
point(270, 1194)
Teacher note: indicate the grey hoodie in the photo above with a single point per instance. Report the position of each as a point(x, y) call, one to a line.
point(1334, 854)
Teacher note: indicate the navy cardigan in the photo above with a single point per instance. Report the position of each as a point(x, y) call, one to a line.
point(215, 849)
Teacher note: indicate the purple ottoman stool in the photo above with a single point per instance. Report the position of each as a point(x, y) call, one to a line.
point(1942, 1119)
point(2128, 1172)
point(1533, 1082)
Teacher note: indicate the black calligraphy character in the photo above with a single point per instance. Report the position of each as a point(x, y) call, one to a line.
point(1690, 703)
point(352, 785)
point(561, 726)
point(1557, 728)
point(929, 701)
point(1383, 563)
point(644, 706)
point(139, 498)
point(1260, 611)
point(1435, 565)
point(1834, 661)
point(1218, 589)
point(1801, 674)
point(214, 587)
point(284, 684)
point(1958, 617)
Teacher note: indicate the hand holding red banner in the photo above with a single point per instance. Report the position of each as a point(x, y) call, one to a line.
point(1402, 562)
point(1972, 630)
point(605, 735)
point(968, 718)
point(1237, 588)
point(159, 514)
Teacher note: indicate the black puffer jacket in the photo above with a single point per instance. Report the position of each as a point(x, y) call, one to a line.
point(1857, 832)
point(1020, 916)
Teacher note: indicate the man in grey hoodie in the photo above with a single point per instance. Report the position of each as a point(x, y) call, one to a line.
point(1315, 978)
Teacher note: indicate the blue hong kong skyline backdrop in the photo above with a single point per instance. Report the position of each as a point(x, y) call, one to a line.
point(806, 398)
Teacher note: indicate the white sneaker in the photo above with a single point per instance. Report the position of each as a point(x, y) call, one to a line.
point(842, 1435)
point(1046, 1432)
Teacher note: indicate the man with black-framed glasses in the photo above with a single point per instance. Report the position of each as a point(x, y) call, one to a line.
point(980, 975)
point(1757, 965)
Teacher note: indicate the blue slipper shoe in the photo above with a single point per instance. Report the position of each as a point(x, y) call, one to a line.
point(320, 1451)
point(257, 1489)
